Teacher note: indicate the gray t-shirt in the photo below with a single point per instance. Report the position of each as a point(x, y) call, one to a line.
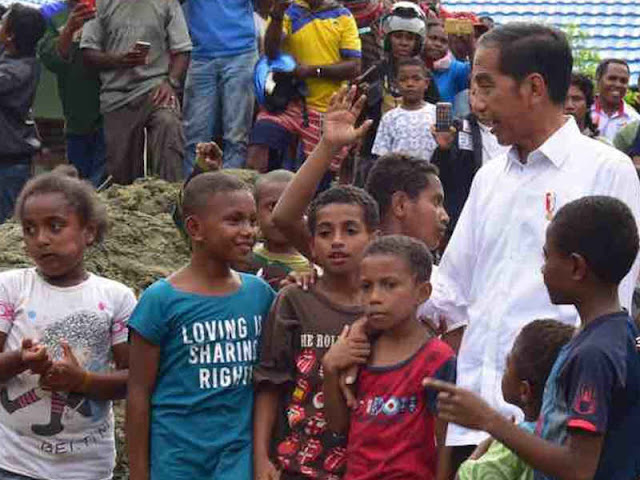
point(118, 25)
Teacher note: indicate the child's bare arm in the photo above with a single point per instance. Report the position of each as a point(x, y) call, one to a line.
point(68, 375)
point(444, 471)
point(338, 130)
point(264, 419)
point(145, 358)
point(343, 354)
point(31, 356)
point(577, 459)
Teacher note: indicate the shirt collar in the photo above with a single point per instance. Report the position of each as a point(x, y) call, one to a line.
point(554, 149)
point(598, 108)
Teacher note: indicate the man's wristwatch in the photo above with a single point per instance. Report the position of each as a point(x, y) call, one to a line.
point(175, 84)
point(318, 72)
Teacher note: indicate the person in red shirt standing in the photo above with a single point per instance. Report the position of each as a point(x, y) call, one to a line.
point(392, 424)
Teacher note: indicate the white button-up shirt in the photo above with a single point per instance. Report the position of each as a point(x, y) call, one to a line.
point(609, 126)
point(490, 277)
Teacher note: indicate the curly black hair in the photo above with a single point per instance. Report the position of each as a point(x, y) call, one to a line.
point(413, 252)
point(346, 195)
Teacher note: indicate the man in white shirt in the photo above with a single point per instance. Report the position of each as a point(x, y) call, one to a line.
point(610, 113)
point(489, 279)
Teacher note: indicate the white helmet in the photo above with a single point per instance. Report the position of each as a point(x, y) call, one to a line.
point(405, 17)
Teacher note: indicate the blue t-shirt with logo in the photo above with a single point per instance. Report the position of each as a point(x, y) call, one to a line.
point(594, 386)
point(220, 28)
point(201, 407)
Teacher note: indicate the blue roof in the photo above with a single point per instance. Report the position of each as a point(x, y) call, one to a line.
point(612, 26)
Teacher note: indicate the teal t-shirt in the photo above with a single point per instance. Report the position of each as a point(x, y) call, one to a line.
point(201, 408)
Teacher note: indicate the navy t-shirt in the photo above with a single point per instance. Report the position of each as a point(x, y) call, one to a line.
point(594, 386)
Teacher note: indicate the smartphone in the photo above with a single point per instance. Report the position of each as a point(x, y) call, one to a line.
point(444, 116)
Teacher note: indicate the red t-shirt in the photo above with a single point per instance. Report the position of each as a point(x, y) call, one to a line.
point(392, 431)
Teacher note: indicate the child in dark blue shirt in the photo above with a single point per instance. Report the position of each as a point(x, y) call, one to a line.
point(590, 414)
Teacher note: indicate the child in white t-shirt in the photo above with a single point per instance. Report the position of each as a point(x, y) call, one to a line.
point(61, 328)
point(407, 129)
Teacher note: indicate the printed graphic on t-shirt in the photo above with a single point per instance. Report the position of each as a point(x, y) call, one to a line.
point(311, 448)
point(85, 333)
point(224, 351)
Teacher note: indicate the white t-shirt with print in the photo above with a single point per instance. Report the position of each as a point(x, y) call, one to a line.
point(60, 435)
point(407, 131)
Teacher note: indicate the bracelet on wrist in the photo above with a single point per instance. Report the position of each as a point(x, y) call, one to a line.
point(86, 382)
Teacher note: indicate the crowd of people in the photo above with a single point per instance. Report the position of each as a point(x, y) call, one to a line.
point(432, 278)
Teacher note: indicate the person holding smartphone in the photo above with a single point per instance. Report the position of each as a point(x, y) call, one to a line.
point(78, 89)
point(142, 51)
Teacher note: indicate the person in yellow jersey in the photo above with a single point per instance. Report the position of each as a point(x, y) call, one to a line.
point(322, 36)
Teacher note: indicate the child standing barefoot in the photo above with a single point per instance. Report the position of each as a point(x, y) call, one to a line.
point(60, 329)
point(194, 344)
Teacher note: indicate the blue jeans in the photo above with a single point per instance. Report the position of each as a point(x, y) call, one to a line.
point(13, 176)
point(87, 154)
point(7, 475)
point(218, 99)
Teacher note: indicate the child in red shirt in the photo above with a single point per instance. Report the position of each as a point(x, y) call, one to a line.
point(393, 428)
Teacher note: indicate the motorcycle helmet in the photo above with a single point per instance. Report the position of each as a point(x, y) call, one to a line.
point(405, 17)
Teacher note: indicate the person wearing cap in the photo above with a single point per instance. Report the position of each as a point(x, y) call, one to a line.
point(322, 36)
point(404, 31)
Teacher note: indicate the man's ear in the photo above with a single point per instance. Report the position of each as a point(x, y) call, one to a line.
point(525, 392)
point(399, 204)
point(536, 88)
point(90, 234)
point(193, 226)
point(424, 291)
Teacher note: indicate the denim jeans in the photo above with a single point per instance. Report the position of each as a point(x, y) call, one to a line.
point(87, 154)
point(218, 99)
point(13, 176)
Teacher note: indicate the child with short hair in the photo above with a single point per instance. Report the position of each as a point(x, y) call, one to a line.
point(194, 344)
point(590, 414)
point(407, 128)
point(392, 428)
point(20, 29)
point(61, 328)
point(528, 366)
point(301, 327)
point(274, 258)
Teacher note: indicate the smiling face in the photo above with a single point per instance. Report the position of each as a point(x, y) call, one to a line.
point(499, 98)
point(226, 227)
point(340, 238)
point(55, 237)
point(613, 84)
point(390, 291)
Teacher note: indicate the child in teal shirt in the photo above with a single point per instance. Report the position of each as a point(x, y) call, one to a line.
point(194, 344)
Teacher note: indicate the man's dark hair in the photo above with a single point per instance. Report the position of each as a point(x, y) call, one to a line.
point(527, 48)
point(414, 253)
point(398, 173)
point(413, 62)
point(600, 229)
point(202, 187)
point(604, 65)
point(345, 195)
point(584, 83)
point(27, 26)
point(535, 351)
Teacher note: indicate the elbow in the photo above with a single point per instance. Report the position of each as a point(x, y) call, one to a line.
point(354, 69)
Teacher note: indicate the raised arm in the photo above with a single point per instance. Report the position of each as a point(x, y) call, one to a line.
point(338, 130)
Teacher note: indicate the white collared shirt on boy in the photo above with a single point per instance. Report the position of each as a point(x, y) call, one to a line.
point(610, 125)
point(489, 278)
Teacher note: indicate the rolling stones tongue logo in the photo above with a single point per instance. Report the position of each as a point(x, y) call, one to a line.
point(306, 361)
point(295, 415)
point(309, 452)
point(303, 387)
point(335, 460)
